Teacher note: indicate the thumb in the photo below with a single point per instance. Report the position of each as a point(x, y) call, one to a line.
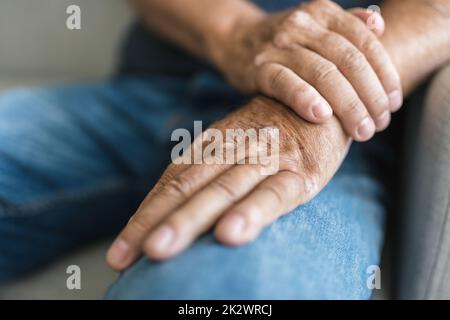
point(373, 20)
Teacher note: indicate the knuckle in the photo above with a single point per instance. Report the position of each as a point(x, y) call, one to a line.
point(292, 160)
point(281, 39)
point(274, 192)
point(376, 53)
point(305, 184)
point(353, 109)
point(325, 72)
point(381, 101)
point(138, 225)
point(276, 79)
point(179, 186)
point(372, 47)
point(304, 90)
point(168, 174)
point(224, 187)
point(353, 60)
point(180, 222)
point(297, 18)
point(291, 20)
point(261, 59)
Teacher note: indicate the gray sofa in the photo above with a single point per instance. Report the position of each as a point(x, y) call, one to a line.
point(423, 249)
point(42, 51)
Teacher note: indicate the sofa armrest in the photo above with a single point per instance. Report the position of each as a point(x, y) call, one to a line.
point(424, 226)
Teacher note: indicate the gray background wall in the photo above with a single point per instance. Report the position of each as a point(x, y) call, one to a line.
point(36, 46)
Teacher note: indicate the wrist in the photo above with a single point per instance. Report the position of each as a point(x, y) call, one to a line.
point(219, 38)
point(417, 30)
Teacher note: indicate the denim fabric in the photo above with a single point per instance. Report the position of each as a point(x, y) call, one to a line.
point(321, 250)
point(75, 161)
point(318, 251)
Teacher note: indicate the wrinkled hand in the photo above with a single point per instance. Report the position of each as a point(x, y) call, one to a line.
point(316, 59)
point(239, 199)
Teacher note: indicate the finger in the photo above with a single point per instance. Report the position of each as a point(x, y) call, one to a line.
point(196, 216)
point(356, 68)
point(357, 32)
point(373, 20)
point(284, 85)
point(273, 197)
point(349, 60)
point(333, 86)
point(174, 191)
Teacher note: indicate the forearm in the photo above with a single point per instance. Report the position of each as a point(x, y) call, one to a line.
point(417, 37)
point(198, 26)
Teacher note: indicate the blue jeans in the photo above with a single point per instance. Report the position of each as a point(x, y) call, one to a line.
point(75, 161)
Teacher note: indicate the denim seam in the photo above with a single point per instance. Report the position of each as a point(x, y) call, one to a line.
point(36, 207)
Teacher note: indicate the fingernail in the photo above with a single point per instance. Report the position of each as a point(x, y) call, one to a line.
point(235, 226)
point(395, 100)
point(161, 239)
point(321, 110)
point(378, 21)
point(118, 252)
point(383, 120)
point(366, 129)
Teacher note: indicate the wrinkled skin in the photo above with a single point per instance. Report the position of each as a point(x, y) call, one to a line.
point(241, 199)
point(238, 200)
point(348, 71)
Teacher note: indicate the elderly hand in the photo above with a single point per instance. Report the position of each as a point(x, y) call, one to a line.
point(240, 199)
point(316, 59)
